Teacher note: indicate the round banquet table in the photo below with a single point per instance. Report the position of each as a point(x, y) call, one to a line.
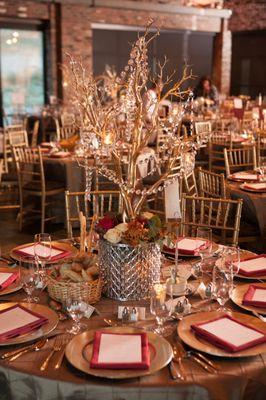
point(20, 380)
point(254, 204)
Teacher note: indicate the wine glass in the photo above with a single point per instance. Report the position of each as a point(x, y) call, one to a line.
point(159, 307)
point(76, 307)
point(230, 260)
point(42, 248)
point(205, 250)
point(28, 282)
point(222, 283)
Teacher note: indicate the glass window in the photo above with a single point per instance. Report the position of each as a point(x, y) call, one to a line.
point(22, 74)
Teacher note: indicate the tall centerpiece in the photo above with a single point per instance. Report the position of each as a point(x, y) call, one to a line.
point(116, 128)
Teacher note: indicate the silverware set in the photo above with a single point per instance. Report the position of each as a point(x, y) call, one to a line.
point(176, 366)
point(61, 340)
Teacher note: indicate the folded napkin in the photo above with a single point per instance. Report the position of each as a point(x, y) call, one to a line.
point(6, 278)
point(253, 266)
point(187, 246)
point(18, 320)
point(60, 154)
point(46, 144)
point(229, 334)
point(120, 351)
point(255, 296)
point(245, 176)
point(190, 245)
point(256, 186)
point(56, 253)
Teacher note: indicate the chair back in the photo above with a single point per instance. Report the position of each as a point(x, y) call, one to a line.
point(211, 184)
point(221, 215)
point(203, 131)
point(99, 203)
point(190, 184)
point(17, 135)
point(30, 169)
point(65, 132)
point(261, 147)
point(239, 159)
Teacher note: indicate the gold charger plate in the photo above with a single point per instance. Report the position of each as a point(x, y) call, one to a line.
point(60, 245)
point(238, 295)
point(189, 337)
point(38, 333)
point(15, 286)
point(79, 351)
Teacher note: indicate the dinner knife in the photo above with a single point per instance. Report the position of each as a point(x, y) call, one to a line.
point(175, 374)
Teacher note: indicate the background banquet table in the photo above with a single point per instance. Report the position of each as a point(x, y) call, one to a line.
point(254, 204)
point(237, 378)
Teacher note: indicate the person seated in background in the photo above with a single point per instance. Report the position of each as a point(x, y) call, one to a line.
point(206, 91)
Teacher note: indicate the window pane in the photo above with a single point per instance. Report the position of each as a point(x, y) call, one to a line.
point(22, 77)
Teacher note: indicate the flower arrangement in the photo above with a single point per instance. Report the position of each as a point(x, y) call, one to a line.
point(145, 228)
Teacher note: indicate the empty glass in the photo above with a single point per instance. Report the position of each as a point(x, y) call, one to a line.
point(205, 250)
point(76, 308)
point(159, 307)
point(222, 283)
point(42, 248)
point(230, 261)
point(28, 282)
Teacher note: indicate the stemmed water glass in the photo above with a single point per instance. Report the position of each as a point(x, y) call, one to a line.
point(204, 251)
point(159, 307)
point(230, 261)
point(42, 248)
point(28, 282)
point(76, 307)
point(222, 284)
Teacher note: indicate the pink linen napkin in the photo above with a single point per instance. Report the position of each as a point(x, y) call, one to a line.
point(255, 296)
point(253, 266)
point(188, 246)
point(120, 351)
point(244, 176)
point(17, 320)
point(60, 154)
point(229, 334)
point(56, 253)
point(6, 278)
point(256, 186)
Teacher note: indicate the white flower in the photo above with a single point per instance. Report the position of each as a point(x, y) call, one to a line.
point(147, 215)
point(122, 227)
point(113, 236)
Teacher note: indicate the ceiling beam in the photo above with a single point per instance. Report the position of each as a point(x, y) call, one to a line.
point(150, 7)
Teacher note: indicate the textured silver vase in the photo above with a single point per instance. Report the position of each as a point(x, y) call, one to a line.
point(129, 272)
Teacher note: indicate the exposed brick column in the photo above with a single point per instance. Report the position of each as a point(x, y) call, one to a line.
point(222, 58)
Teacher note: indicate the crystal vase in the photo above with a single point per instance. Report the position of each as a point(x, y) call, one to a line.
point(128, 272)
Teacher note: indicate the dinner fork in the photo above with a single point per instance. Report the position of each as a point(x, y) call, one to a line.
point(65, 341)
point(57, 347)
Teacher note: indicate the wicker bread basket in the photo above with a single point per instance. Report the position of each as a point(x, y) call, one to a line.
point(60, 291)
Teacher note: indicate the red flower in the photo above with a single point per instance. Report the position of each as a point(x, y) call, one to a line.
point(105, 224)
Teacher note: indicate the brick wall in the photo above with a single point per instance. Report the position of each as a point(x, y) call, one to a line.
point(247, 14)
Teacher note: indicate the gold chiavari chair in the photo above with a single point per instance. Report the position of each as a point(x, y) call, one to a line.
point(221, 215)
point(99, 204)
point(190, 184)
point(211, 184)
point(239, 159)
point(203, 131)
point(65, 132)
point(17, 135)
point(8, 196)
point(32, 183)
point(217, 143)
